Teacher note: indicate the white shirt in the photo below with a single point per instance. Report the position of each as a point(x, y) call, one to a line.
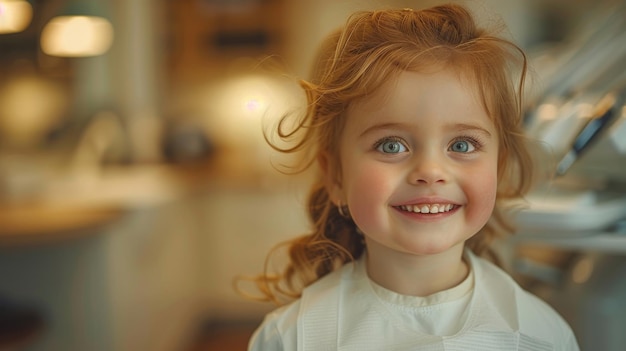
point(345, 310)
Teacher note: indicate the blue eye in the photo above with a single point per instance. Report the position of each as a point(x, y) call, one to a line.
point(391, 146)
point(462, 146)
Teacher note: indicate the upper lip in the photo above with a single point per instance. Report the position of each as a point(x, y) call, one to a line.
point(429, 200)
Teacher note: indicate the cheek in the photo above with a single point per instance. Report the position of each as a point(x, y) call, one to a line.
point(367, 188)
point(483, 197)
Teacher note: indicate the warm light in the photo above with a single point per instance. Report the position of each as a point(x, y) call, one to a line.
point(242, 106)
point(15, 15)
point(24, 123)
point(75, 36)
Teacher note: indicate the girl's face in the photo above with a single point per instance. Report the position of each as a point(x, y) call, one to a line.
point(418, 165)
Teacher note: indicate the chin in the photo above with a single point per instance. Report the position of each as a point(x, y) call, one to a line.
point(425, 249)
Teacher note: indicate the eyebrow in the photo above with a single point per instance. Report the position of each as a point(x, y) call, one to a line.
point(473, 127)
point(382, 126)
point(460, 127)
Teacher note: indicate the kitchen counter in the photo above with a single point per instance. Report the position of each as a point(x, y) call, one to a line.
point(29, 223)
point(68, 203)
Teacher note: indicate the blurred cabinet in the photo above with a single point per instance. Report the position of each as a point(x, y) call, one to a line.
point(130, 285)
point(204, 35)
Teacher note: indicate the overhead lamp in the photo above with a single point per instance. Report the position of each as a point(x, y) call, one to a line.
point(15, 15)
point(81, 30)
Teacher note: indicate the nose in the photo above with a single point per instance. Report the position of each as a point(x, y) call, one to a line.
point(428, 170)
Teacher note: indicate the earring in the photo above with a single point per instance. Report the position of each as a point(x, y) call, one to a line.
point(361, 236)
point(343, 211)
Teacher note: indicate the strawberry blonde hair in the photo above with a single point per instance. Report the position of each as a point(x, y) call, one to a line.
point(371, 49)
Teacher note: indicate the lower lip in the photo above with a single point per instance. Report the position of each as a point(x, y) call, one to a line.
point(428, 216)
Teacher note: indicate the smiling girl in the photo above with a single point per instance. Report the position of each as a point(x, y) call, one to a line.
point(414, 122)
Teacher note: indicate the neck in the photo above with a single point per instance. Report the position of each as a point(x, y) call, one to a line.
point(416, 275)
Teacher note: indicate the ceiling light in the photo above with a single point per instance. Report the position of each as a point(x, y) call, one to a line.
point(81, 30)
point(15, 15)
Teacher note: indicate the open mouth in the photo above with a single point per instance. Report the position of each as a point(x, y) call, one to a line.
point(427, 208)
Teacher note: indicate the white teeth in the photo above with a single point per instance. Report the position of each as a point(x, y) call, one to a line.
point(432, 208)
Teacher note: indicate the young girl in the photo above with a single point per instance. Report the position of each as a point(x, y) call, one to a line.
point(414, 122)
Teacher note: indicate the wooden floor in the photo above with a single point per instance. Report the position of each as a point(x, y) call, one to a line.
point(224, 337)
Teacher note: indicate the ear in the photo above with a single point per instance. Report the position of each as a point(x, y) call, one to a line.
point(332, 178)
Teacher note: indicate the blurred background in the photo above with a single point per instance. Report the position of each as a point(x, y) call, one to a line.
point(135, 182)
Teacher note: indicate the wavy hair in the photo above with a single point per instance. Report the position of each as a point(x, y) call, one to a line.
point(369, 50)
